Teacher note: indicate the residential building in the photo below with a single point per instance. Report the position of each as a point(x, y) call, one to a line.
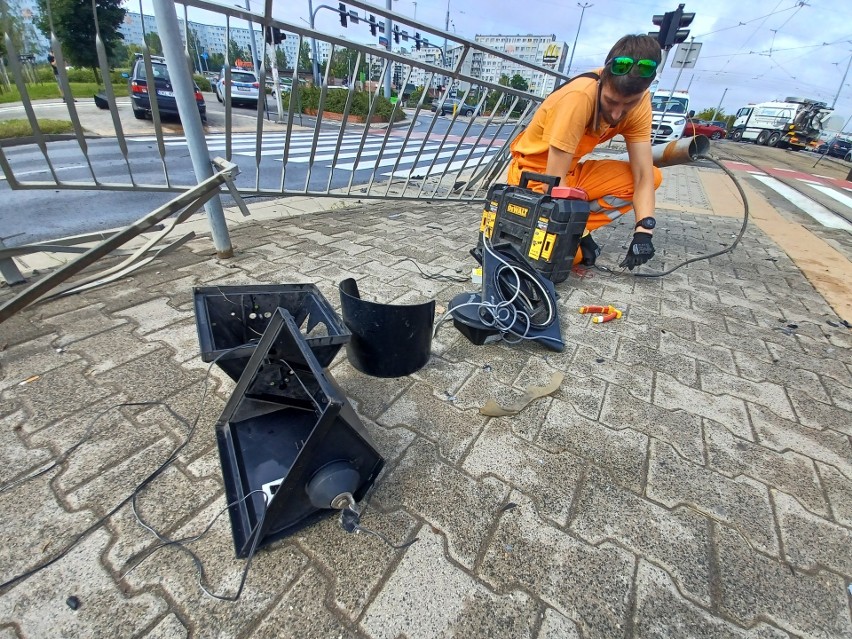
point(213, 38)
point(34, 41)
point(543, 50)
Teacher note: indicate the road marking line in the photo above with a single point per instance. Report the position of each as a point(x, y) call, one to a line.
point(305, 150)
point(404, 160)
point(817, 211)
point(845, 200)
point(346, 156)
point(438, 168)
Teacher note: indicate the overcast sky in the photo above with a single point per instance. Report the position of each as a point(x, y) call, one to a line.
point(757, 50)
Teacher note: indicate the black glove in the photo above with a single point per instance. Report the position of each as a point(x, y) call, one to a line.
point(590, 250)
point(640, 251)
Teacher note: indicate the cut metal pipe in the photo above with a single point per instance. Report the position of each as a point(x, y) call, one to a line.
point(681, 151)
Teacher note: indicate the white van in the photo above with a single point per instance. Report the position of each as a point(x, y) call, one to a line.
point(670, 112)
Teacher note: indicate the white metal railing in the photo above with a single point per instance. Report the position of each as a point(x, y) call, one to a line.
point(418, 154)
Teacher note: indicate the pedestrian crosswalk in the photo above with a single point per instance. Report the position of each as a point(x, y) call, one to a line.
point(404, 156)
point(803, 190)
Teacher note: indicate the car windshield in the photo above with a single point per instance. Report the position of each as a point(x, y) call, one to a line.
point(670, 105)
point(240, 76)
point(160, 71)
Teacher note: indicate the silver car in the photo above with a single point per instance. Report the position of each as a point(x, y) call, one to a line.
point(245, 88)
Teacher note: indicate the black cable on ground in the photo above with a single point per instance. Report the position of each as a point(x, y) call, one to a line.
point(141, 486)
point(725, 250)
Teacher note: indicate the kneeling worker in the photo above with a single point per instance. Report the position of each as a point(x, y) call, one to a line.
point(590, 109)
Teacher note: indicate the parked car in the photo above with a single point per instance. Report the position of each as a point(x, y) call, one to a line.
point(447, 107)
point(700, 127)
point(166, 103)
point(720, 123)
point(835, 147)
point(245, 88)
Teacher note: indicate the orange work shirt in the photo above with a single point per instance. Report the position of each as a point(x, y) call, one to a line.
point(567, 120)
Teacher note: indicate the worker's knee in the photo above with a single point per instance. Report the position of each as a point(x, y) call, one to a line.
point(658, 178)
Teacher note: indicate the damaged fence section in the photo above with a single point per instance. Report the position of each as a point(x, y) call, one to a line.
point(334, 117)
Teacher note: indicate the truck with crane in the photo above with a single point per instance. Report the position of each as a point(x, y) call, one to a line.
point(792, 123)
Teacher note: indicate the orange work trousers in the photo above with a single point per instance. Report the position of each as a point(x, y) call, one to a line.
point(608, 184)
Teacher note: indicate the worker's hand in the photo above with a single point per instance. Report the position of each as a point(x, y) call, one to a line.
point(640, 251)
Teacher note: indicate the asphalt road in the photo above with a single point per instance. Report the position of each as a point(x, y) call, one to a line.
point(35, 215)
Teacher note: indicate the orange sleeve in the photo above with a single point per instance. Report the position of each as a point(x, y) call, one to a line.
point(637, 126)
point(566, 121)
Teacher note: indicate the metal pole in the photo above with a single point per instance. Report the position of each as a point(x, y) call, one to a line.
point(254, 58)
point(446, 28)
point(583, 8)
point(837, 95)
point(389, 34)
point(184, 89)
point(315, 61)
point(716, 112)
point(271, 50)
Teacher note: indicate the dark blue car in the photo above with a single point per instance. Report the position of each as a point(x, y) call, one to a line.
point(140, 88)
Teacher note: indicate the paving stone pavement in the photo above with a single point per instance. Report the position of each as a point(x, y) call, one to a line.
point(692, 477)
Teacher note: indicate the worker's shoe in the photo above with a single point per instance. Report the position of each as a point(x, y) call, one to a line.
point(589, 250)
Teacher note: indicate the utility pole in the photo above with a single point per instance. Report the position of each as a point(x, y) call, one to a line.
point(389, 36)
point(716, 112)
point(314, 56)
point(446, 28)
point(184, 90)
point(254, 59)
point(837, 95)
point(583, 8)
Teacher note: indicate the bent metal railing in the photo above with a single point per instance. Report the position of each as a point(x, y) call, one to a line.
point(289, 152)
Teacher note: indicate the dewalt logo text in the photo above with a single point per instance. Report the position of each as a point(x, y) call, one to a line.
point(517, 210)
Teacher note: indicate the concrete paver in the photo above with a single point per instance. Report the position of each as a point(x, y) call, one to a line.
point(691, 477)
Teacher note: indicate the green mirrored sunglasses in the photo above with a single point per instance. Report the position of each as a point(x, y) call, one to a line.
point(622, 66)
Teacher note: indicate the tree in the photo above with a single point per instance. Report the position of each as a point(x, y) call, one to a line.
point(707, 114)
point(343, 63)
point(518, 82)
point(235, 52)
point(305, 57)
point(132, 50)
point(155, 45)
point(195, 51)
point(74, 25)
point(216, 61)
point(280, 59)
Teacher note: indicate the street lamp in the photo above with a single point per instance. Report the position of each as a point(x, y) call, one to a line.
point(583, 8)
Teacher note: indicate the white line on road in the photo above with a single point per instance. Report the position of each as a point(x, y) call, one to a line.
point(405, 159)
point(845, 200)
point(815, 210)
point(20, 174)
point(439, 168)
point(369, 149)
point(361, 164)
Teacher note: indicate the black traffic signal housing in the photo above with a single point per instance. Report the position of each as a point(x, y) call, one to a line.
point(672, 27)
point(373, 25)
point(341, 9)
point(396, 33)
point(274, 36)
point(417, 40)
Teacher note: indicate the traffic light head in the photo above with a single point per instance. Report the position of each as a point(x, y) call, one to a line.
point(341, 9)
point(417, 40)
point(274, 36)
point(672, 27)
point(373, 25)
point(396, 33)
